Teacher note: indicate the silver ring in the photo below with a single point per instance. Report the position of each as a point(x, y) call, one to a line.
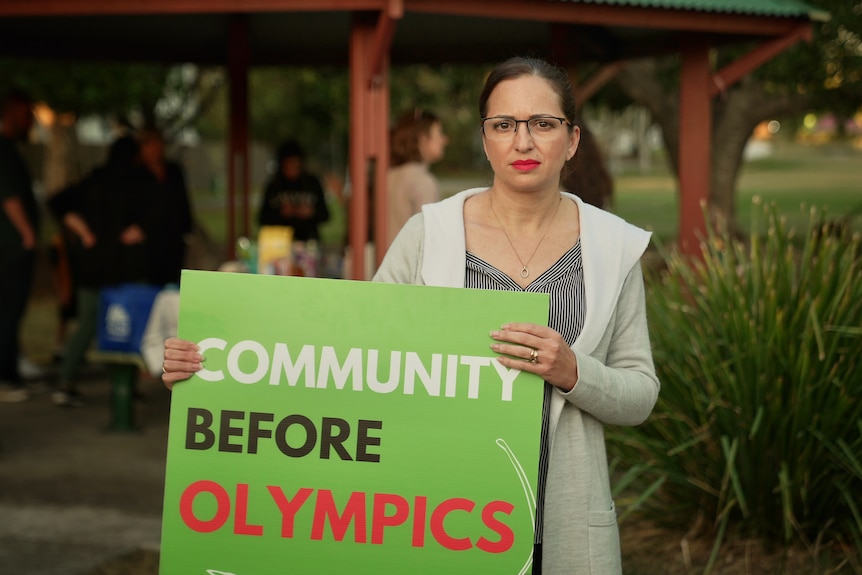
point(163, 369)
point(534, 356)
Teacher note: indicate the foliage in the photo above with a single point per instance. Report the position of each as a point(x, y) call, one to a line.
point(312, 104)
point(167, 97)
point(832, 62)
point(758, 427)
point(88, 88)
point(308, 104)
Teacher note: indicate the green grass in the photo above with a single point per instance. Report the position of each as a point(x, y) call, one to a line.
point(828, 177)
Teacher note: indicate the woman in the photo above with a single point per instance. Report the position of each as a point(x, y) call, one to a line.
point(522, 233)
point(417, 142)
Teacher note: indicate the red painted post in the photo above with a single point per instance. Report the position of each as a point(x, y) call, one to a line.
point(360, 32)
point(695, 130)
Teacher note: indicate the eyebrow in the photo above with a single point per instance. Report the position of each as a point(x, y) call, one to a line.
point(510, 117)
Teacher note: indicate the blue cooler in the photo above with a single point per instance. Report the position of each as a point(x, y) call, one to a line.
point(123, 314)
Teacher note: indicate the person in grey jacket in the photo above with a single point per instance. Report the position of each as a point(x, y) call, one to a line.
point(523, 234)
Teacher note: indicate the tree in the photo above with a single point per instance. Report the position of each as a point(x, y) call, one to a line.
point(823, 75)
point(133, 95)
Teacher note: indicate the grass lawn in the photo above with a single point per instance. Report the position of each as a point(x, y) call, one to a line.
point(795, 175)
point(826, 176)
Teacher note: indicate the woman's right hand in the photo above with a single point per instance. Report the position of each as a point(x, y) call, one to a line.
point(181, 362)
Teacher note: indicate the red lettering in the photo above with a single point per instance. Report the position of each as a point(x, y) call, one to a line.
point(420, 507)
point(507, 537)
point(187, 506)
point(240, 516)
point(438, 516)
point(325, 508)
point(380, 520)
point(288, 507)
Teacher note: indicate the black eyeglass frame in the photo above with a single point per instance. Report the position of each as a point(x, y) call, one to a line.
point(527, 121)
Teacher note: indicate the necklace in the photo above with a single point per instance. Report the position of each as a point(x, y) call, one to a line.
point(525, 271)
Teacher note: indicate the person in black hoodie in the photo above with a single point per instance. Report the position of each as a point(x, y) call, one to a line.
point(293, 197)
point(167, 214)
point(106, 241)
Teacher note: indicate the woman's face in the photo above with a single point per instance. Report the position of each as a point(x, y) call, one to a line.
point(432, 145)
point(521, 162)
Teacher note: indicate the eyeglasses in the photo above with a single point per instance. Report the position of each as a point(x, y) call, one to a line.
point(503, 128)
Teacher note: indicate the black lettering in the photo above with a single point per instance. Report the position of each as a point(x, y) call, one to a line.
point(364, 441)
point(199, 422)
point(226, 431)
point(281, 436)
point(335, 441)
point(254, 430)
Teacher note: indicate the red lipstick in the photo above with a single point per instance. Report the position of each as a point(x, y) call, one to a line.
point(525, 165)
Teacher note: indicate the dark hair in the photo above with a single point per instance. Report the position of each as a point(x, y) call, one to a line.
point(122, 152)
point(519, 66)
point(288, 149)
point(404, 138)
point(586, 174)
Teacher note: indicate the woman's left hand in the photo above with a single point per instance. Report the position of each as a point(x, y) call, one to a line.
point(537, 349)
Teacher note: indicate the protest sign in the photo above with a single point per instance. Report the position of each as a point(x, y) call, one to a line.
point(349, 427)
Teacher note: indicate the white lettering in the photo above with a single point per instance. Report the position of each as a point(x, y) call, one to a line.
point(233, 362)
point(372, 370)
point(476, 364)
point(203, 347)
point(329, 364)
point(413, 367)
point(282, 363)
point(507, 376)
point(316, 368)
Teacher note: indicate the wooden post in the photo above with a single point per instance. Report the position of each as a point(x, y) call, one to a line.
point(695, 130)
point(370, 41)
point(361, 34)
point(238, 180)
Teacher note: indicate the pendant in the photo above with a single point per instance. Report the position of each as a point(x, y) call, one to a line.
point(525, 272)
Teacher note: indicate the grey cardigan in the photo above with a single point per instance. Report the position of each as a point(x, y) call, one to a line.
point(616, 384)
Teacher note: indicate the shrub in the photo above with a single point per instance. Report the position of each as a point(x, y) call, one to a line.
point(758, 425)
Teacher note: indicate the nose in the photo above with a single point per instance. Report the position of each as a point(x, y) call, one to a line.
point(523, 137)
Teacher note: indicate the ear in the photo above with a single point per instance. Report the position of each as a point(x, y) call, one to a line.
point(574, 140)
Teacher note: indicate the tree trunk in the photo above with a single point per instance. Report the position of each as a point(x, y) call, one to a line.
point(736, 113)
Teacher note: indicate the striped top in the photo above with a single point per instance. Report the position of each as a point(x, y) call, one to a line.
point(564, 282)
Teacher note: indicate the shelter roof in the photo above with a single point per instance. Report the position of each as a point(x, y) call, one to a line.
point(779, 8)
point(316, 32)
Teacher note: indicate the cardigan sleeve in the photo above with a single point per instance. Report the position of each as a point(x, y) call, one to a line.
point(623, 388)
point(402, 263)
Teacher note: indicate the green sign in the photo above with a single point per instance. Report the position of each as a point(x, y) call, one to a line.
point(349, 427)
